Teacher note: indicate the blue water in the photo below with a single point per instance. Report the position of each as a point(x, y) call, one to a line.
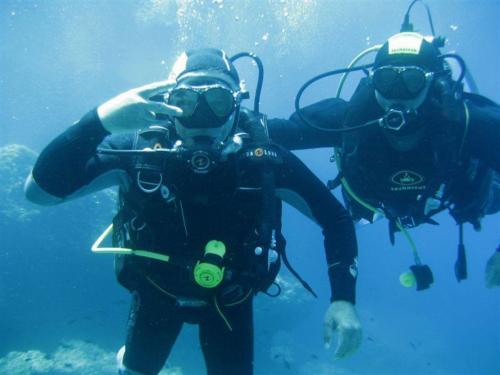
point(58, 59)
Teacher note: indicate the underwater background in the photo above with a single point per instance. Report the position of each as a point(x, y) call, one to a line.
point(62, 312)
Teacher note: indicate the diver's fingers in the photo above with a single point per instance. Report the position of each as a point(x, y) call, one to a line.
point(352, 338)
point(328, 330)
point(492, 274)
point(164, 109)
point(342, 344)
point(358, 339)
point(348, 342)
point(155, 88)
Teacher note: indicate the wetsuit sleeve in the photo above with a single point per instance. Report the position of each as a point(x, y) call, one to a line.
point(295, 134)
point(483, 135)
point(70, 165)
point(298, 186)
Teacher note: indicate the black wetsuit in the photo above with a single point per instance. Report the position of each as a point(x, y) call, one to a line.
point(189, 210)
point(447, 155)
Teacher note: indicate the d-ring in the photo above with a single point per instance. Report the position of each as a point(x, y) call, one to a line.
point(141, 183)
point(134, 228)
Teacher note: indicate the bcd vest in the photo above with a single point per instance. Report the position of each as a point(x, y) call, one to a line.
point(170, 209)
point(413, 185)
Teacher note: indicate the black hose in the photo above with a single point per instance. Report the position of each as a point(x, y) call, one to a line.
point(308, 83)
point(407, 26)
point(260, 80)
point(463, 68)
point(297, 276)
point(105, 151)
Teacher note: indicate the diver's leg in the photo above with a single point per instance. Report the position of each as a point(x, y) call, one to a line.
point(122, 370)
point(229, 352)
point(154, 324)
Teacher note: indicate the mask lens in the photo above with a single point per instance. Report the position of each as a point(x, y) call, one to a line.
point(414, 80)
point(384, 80)
point(399, 82)
point(185, 99)
point(220, 101)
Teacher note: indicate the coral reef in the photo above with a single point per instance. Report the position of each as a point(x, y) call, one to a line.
point(70, 357)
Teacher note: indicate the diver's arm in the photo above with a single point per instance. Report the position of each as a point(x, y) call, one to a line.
point(298, 186)
point(70, 167)
point(483, 136)
point(295, 134)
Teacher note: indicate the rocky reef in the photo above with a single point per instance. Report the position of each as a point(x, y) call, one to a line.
point(70, 357)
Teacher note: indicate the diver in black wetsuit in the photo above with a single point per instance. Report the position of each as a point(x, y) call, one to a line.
point(197, 233)
point(409, 144)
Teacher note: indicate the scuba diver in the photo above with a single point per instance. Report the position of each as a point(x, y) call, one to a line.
point(198, 228)
point(408, 144)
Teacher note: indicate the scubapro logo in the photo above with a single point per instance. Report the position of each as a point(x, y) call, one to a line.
point(407, 178)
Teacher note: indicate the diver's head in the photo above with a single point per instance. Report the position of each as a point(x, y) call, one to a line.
point(403, 71)
point(403, 74)
point(208, 90)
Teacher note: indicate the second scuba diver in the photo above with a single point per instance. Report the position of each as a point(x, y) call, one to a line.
point(409, 144)
point(197, 233)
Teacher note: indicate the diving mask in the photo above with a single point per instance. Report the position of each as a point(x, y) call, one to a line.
point(401, 82)
point(219, 99)
point(400, 91)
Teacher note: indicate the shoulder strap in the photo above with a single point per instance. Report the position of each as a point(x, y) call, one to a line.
point(257, 130)
point(269, 212)
point(447, 145)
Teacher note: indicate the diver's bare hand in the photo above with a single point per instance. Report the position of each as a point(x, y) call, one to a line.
point(134, 109)
point(341, 318)
point(493, 270)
